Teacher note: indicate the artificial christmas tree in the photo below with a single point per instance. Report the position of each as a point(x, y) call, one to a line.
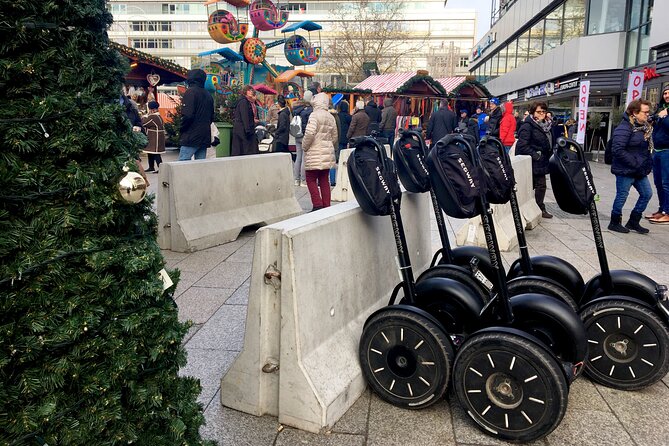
point(90, 344)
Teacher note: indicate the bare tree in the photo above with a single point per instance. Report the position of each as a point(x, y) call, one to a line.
point(369, 31)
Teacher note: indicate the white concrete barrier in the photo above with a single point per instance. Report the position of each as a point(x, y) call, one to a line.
point(207, 202)
point(472, 232)
point(336, 267)
point(342, 191)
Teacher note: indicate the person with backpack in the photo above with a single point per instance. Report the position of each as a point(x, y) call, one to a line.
point(535, 140)
point(661, 160)
point(441, 123)
point(282, 127)
point(632, 148)
point(319, 142)
point(507, 127)
point(359, 121)
point(301, 111)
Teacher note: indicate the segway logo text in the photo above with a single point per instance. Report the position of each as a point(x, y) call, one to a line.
point(587, 180)
point(501, 167)
point(383, 181)
point(467, 174)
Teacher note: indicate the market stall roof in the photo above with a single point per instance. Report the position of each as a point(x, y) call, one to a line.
point(146, 65)
point(421, 84)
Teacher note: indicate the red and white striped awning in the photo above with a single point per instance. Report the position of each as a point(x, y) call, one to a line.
point(169, 101)
point(390, 83)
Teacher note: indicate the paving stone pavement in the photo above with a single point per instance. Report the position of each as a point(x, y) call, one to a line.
point(213, 293)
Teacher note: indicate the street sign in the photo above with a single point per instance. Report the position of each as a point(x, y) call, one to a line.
point(634, 86)
point(583, 95)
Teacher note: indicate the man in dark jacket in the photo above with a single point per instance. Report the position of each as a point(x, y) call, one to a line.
point(283, 124)
point(388, 120)
point(344, 124)
point(244, 119)
point(374, 114)
point(197, 114)
point(441, 123)
point(494, 118)
point(661, 159)
point(469, 125)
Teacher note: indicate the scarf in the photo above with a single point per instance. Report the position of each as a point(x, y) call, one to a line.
point(646, 128)
point(545, 127)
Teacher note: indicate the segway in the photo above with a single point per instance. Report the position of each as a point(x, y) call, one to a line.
point(626, 314)
point(460, 264)
point(512, 375)
point(405, 353)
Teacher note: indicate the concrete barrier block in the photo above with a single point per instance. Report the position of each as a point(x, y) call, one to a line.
point(210, 201)
point(472, 232)
point(336, 272)
point(251, 384)
point(337, 266)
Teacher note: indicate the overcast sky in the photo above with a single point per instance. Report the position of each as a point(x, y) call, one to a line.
point(483, 10)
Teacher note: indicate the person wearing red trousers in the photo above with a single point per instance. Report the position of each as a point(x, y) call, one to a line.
point(318, 144)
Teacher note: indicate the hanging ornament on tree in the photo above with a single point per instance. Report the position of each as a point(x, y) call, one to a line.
point(132, 186)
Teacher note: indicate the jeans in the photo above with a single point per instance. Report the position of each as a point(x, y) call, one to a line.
point(318, 179)
point(186, 153)
point(298, 167)
point(661, 178)
point(623, 185)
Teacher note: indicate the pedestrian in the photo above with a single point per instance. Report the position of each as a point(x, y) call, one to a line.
point(244, 121)
point(441, 123)
point(374, 115)
point(359, 121)
point(571, 128)
point(319, 151)
point(335, 114)
point(507, 126)
point(344, 124)
point(632, 147)
point(661, 160)
point(197, 114)
point(534, 139)
point(388, 121)
point(468, 125)
point(155, 132)
point(273, 114)
point(315, 88)
point(494, 118)
point(282, 127)
point(483, 124)
point(301, 108)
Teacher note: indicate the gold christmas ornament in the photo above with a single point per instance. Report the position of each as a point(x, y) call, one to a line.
point(132, 186)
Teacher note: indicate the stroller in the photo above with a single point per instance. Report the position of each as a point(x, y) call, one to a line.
point(265, 137)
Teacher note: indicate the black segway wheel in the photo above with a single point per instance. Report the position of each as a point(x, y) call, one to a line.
point(524, 285)
point(628, 345)
point(405, 358)
point(511, 387)
point(459, 274)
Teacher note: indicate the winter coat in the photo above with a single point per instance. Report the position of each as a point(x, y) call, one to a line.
point(359, 124)
point(493, 121)
point(631, 153)
point(441, 123)
point(320, 136)
point(197, 112)
point(244, 140)
point(388, 116)
point(335, 115)
point(344, 123)
point(507, 126)
point(483, 126)
point(283, 125)
point(661, 130)
point(303, 109)
point(155, 132)
point(533, 141)
point(374, 115)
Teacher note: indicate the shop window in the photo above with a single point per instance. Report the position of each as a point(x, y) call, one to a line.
point(574, 20)
point(606, 17)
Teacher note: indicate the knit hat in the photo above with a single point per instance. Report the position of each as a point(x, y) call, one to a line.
point(495, 101)
point(464, 111)
point(360, 105)
point(153, 105)
point(308, 96)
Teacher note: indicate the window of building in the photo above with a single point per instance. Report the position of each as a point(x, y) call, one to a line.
point(463, 61)
point(637, 46)
point(606, 16)
point(574, 20)
point(511, 55)
point(151, 26)
point(295, 7)
point(501, 67)
point(494, 61)
point(183, 8)
point(118, 8)
point(151, 43)
point(536, 40)
point(553, 28)
point(523, 48)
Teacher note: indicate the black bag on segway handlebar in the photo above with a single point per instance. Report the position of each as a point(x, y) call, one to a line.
point(455, 180)
point(497, 170)
point(571, 178)
point(409, 157)
point(373, 177)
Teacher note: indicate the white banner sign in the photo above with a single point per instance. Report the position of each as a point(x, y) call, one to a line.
point(583, 95)
point(634, 86)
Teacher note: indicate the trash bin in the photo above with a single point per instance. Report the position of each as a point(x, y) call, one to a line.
point(225, 135)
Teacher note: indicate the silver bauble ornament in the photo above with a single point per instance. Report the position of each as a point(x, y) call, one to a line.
point(132, 187)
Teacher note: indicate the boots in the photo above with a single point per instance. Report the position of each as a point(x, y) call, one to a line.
point(633, 223)
point(616, 224)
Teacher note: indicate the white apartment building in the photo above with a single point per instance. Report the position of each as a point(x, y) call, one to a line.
point(177, 31)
